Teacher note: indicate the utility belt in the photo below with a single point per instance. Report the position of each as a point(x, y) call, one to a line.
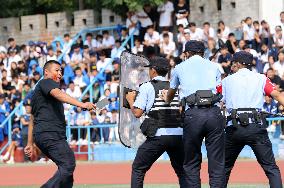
point(201, 99)
point(246, 116)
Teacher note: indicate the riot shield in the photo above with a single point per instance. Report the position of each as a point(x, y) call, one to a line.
point(132, 74)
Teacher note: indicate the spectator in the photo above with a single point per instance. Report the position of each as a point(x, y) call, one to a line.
point(180, 38)
point(99, 46)
point(269, 64)
point(270, 106)
point(225, 59)
point(265, 33)
point(138, 48)
point(76, 57)
point(67, 43)
point(82, 118)
point(108, 43)
point(249, 31)
point(13, 45)
point(152, 38)
point(90, 42)
point(105, 63)
point(279, 65)
point(123, 37)
point(17, 83)
point(74, 91)
point(80, 80)
point(278, 37)
point(145, 22)
point(96, 136)
point(166, 31)
point(208, 32)
point(167, 47)
point(223, 31)
point(166, 11)
point(13, 57)
point(195, 33)
point(50, 54)
point(16, 142)
point(131, 23)
point(182, 13)
point(25, 120)
point(117, 50)
point(113, 132)
point(274, 78)
point(231, 43)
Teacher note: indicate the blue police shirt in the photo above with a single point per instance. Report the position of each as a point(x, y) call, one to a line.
point(244, 89)
point(145, 100)
point(195, 73)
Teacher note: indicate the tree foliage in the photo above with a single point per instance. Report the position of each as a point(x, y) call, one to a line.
point(16, 8)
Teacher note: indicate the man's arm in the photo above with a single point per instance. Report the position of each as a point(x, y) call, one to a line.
point(29, 148)
point(130, 97)
point(65, 98)
point(168, 95)
point(277, 96)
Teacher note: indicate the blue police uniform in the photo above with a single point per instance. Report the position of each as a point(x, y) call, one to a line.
point(243, 92)
point(193, 74)
point(165, 139)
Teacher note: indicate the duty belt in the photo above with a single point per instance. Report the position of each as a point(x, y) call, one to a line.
point(245, 116)
point(201, 99)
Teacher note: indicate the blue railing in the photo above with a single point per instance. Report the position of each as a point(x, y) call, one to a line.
point(88, 89)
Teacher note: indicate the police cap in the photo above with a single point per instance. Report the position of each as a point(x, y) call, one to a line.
point(243, 57)
point(194, 46)
point(159, 63)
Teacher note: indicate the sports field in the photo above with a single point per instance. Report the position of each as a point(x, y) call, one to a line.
point(246, 174)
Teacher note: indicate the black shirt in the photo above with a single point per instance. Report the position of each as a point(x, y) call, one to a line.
point(183, 9)
point(48, 112)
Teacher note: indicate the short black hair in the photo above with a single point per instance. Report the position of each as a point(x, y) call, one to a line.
point(206, 23)
point(66, 35)
point(11, 39)
point(49, 63)
point(231, 35)
point(78, 68)
point(166, 35)
point(89, 35)
point(161, 72)
point(192, 24)
point(105, 32)
point(255, 22)
point(270, 69)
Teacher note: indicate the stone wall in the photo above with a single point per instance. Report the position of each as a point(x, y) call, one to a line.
point(46, 27)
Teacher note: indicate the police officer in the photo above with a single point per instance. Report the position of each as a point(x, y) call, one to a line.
point(161, 125)
point(48, 128)
point(198, 79)
point(243, 94)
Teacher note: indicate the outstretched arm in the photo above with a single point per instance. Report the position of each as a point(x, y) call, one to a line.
point(65, 98)
point(29, 148)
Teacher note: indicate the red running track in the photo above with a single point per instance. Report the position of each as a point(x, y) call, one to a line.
point(119, 173)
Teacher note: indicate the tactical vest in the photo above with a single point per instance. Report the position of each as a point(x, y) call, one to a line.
point(161, 114)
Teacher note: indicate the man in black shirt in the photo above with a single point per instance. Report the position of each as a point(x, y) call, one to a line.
point(48, 128)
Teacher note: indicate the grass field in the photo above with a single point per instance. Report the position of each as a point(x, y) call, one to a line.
point(146, 186)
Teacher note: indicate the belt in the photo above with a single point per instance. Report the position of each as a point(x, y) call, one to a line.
point(200, 107)
point(230, 123)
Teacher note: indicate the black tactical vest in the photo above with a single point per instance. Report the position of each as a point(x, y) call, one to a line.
point(161, 115)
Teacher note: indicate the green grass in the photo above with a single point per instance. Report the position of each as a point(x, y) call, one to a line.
point(146, 186)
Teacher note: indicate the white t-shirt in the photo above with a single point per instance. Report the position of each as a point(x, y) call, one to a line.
point(145, 22)
point(76, 93)
point(91, 44)
point(278, 41)
point(168, 48)
point(102, 64)
point(166, 14)
point(197, 35)
point(108, 41)
point(135, 50)
point(129, 22)
point(250, 32)
point(79, 81)
point(181, 38)
point(279, 67)
point(16, 59)
point(211, 34)
point(51, 57)
point(77, 57)
point(153, 38)
point(171, 37)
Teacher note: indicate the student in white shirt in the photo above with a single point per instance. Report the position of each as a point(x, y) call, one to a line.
point(74, 91)
point(50, 55)
point(92, 43)
point(208, 32)
point(138, 48)
point(279, 65)
point(248, 30)
point(79, 78)
point(76, 58)
point(131, 22)
point(167, 47)
point(145, 22)
point(152, 38)
point(166, 30)
point(278, 37)
point(180, 38)
point(195, 33)
point(166, 10)
point(224, 31)
point(108, 42)
point(116, 52)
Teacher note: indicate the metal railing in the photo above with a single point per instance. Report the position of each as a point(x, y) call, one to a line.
point(88, 89)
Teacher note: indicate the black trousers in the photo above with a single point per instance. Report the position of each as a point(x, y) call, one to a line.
point(150, 151)
point(257, 138)
point(55, 147)
point(205, 123)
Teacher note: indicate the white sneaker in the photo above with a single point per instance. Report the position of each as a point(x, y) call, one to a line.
point(10, 161)
point(281, 137)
